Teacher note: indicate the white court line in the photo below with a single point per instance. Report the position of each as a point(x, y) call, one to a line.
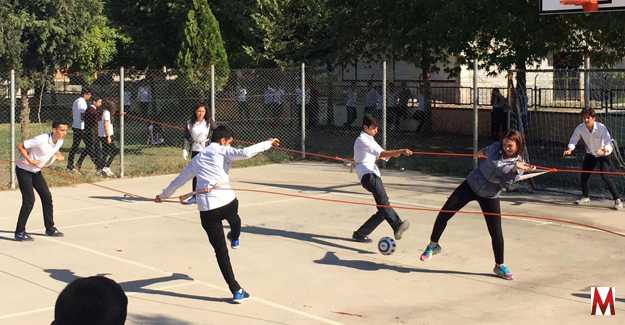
point(163, 272)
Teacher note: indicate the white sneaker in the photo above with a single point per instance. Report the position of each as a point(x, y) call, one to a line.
point(108, 172)
point(99, 172)
point(618, 204)
point(583, 201)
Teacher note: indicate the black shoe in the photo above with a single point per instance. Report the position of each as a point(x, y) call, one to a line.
point(22, 236)
point(361, 239)
point(53, 232)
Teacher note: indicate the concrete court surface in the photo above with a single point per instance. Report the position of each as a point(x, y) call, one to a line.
point(297, 261)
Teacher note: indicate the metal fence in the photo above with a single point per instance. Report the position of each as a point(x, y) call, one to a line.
point(312, 109)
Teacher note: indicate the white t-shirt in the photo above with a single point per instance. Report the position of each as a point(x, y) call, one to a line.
point(199, 135)
point(40, 148)
point(78, 109)
point(597, 139)
point(211, 168)
point(106, 116)
point(242, 95)
point(366, 153)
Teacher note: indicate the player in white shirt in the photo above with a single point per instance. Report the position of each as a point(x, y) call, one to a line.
point(197, 137)
point(366, 152)
point(78, 125)
point(35, 153)
point(598, 149)
point(216, 200)
point(107, 147)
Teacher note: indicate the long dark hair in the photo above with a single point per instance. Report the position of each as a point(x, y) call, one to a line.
point(193, 118)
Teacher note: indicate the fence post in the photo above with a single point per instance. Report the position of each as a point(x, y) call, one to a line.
point(122, 100)
point(212, 92)
point(13, 183)
point(303, 111)
point(384, 104)
point(475, 113)
point(586, 82)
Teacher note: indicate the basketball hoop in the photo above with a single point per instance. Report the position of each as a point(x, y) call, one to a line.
point(587, 5)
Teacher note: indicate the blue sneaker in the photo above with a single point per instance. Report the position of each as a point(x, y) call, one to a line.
point(23, 236)
point(234, 243)
point(429, 251)
point(503, 271)
point(239, 296)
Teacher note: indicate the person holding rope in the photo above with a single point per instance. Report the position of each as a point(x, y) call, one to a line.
point(501, 166)
point(598, 149)
point(216, 200)
point(196, 137)
point(35, 153)
point(366, 152)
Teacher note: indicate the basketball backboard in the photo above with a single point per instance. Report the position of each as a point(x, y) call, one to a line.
point(549, 7)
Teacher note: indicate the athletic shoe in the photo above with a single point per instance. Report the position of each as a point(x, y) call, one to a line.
point(23, 236)
point(99, 172)
point(107, 171)
point(239, 296)
point(618, 204)
point(583, 201)
point(400, 230)
point(53, 232)
point(429, 251)
point(234, 243)
point(503, 271)
point(361, 239)
point(191, 200)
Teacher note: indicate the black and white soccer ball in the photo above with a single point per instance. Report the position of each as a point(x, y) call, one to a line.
point(386, 245)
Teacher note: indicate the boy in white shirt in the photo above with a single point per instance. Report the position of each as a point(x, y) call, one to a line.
point(366, 152)
point(598, 147)
point(216, 200)
point(35, 153)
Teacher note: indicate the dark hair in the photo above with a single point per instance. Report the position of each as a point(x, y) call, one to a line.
point(195, 108)
point(588, 111)
point(517, 137)
point(369, 121)
point(95, 300)
point(85, 91)
point(221, 132)
point(108, 105)
point(95, 98)
point(56, 124)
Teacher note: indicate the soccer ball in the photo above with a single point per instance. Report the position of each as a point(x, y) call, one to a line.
point(386, 245)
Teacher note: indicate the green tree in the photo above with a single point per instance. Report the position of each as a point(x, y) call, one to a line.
point(45, 36)
point(201, 47)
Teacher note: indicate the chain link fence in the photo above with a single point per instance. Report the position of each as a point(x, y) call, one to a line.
point(258, 104)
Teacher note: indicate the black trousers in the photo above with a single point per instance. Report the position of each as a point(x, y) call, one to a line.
point(76, 139)
point(605, 165)
point(211, 222)
point(108, 151)
point(27, 181)
point(374, 185)
point(92, 149)
point(194, 182)
point(351, 115)
point(492, 214)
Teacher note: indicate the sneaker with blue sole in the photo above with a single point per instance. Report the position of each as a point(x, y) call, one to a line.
point(234, 243)
point(430, 251)
point(240, 296)
point(503, 272)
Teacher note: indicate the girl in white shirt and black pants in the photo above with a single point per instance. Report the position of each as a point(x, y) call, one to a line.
point(598, 149)
point(366, 152)
point(196, 136)
point(215, 198)
point(108, 150)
